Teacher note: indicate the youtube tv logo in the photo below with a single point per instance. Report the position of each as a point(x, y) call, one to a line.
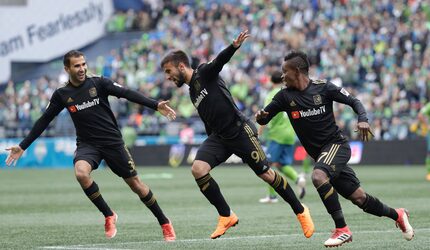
point(295, 114)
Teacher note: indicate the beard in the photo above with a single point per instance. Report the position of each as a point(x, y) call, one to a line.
point(181, 80)
point(76, 79)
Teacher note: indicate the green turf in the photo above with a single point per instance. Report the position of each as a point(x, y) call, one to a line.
point(46, 209)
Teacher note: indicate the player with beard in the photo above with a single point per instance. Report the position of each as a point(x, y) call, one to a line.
point(309, 105)
point(229, 132)
point(98, 136)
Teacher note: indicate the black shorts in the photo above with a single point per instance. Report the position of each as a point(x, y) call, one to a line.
point(118, 158)
point(216, 150)
point(333, 161)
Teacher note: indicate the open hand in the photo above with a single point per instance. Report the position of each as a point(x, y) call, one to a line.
point(166, 110)
point(14, 154)
point(261, 114)
point(239, 40)
point(363, 129)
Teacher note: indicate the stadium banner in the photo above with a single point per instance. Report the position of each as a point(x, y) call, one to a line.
point(43, 153)
point(406, 152)
point(40, 34)
point(59, 153)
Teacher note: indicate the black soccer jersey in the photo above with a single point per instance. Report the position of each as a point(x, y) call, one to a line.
point(213, 100)
point(90, 111)
point(311, 113)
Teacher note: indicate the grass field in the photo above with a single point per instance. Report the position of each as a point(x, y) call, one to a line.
point(46, 209)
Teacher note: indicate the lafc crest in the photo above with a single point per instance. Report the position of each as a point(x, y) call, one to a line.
point(317, 99)
point(93, 92)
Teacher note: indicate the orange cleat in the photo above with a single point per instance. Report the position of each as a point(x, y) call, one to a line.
point(306, 222)
point(110, 228)
point(225, 223)
point(338, 237)
point(168, 232)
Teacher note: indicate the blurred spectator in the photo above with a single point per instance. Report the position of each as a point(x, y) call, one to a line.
point(129, 135)
point(380, 55)
point(186, 134)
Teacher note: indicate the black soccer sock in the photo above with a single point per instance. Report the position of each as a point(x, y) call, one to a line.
point(330, 198)
point(281, 186)
point(211, 191)
point(94, 195)
point(373, 206)
point(151, 202)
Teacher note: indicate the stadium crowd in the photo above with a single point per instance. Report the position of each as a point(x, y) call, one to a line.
point(380, 55)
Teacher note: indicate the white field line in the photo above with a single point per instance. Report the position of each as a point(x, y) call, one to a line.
point(100, 246)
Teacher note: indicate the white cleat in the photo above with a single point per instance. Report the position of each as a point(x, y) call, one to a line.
point(403, 223)
point(339, 237)
point(268, 199)
point(301, 184)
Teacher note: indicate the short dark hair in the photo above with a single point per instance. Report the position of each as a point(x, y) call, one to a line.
point(176, 57)
point(298, 59)
point(276, 77)
point(68, 55)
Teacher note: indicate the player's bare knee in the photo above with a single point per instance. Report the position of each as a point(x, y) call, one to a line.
point(358, 197)
point(199, 169)
point(319, 177)
point(136, 185)
point(82, 172)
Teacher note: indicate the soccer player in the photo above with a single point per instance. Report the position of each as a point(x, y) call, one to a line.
point(280, 144)
point(309, 104)
point(229, 132)
point(423, 117)
point(98, 136)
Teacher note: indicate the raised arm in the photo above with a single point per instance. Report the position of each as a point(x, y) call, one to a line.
point(216, 65)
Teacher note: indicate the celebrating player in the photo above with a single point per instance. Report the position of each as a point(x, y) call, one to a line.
point(309, 104)
point(98, 136)
point(229, 132)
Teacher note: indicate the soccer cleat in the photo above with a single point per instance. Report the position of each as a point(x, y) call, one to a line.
point(403, 223)
point(338, 237)
point(268, 199)
point(168, 232)
point(428, 177)
point(225, 223)
point(110, 228)
point(306, 222)
point(301, 184)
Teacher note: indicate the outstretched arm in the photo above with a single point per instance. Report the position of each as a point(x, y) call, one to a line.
point(137, 97)
point(53, 109)
point(216, 65)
